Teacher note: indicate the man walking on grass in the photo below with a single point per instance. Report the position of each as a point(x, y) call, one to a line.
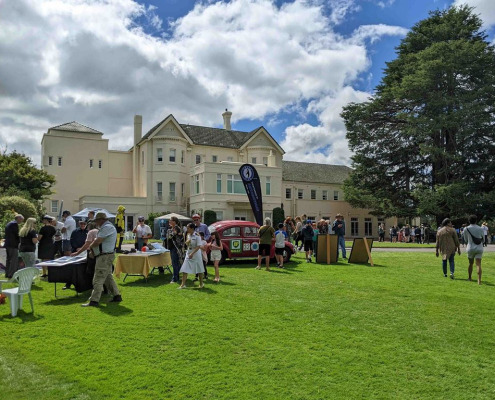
point(339, 229)
point(104, 250)
point(473, 236)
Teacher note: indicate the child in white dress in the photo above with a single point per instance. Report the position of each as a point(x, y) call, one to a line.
point(193, 262)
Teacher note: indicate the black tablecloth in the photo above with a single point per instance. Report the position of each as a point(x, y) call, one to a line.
point(75, 274)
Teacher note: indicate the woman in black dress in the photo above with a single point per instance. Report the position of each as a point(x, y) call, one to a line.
point(46, 247)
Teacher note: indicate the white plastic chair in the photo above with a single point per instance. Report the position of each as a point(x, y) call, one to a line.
point(25, 277)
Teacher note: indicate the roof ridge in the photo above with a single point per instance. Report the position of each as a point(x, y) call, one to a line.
point(78, 123)
point(210, 127)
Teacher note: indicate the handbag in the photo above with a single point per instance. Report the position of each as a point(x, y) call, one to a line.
point(475, 239)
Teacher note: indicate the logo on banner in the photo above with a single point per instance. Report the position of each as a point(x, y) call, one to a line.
point(247, 172)
point(255, 246)
point(236, 246)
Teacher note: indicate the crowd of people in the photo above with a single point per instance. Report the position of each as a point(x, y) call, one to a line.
point(189, 245)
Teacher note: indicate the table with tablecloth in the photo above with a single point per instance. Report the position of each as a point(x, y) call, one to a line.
point(141, 263)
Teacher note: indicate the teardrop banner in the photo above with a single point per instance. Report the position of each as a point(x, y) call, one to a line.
point(252, 184)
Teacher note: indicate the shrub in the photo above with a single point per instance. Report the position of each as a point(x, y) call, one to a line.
point(18, 205)
point(278, 216)
point(210, 217)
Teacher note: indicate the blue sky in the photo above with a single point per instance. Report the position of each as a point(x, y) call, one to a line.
point(289, 66)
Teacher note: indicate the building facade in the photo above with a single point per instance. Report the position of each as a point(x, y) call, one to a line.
point(185, 169)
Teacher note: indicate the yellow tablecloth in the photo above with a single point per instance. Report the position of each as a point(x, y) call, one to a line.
point(140, 264)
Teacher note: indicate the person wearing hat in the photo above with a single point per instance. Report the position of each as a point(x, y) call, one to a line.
point(46, 247)
point(200, 227)
point(104, 250)
point(69, 227)
point(339, 229)
point(143, 233)
point(11, 245)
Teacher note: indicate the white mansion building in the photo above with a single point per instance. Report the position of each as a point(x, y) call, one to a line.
point(185, 168)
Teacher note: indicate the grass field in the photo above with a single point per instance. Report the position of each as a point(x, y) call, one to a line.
point(389, 245)
point(399, 330)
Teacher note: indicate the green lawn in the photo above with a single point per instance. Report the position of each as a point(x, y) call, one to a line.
point(390, 245)
point(399, 330)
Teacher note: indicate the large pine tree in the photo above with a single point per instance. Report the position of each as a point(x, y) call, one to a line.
point(424, 144)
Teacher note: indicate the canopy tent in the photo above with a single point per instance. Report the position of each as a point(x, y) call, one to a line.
point(181, 218)
point(84, 213)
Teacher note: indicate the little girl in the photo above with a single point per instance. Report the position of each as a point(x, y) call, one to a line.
point(216, 253)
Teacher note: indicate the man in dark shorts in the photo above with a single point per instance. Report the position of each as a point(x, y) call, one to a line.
point(266, 234)
point(308, 234)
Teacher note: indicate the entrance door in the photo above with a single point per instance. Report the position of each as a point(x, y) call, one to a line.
point(129, 223)
point(240, 215)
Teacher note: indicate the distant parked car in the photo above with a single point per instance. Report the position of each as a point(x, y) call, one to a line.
point(240, 240)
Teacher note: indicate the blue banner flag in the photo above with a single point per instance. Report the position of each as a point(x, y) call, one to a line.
point(252, 183)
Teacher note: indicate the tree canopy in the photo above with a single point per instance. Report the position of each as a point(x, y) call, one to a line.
point(424, 144)
point(21, 177)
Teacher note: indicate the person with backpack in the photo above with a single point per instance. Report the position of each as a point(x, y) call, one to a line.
point(447, 245)
point(473, 236)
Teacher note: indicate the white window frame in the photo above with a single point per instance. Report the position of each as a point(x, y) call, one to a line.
point(59, 161)
point(219, 181)
point(219, 215)
point(253, 160)
point(214, 158)
point(197, 185)
point(233, 178)
point(336, 195)
point(182, 157)
point(268, 186)
point(198, 157)
point(354, 226)
point(300, 194)
point(159, 191)
point(313, 191)
point(265, 161)
point(172, 197)
point(50, 160)
point(288, 191)
point(368, 227)
point(100, 164)
point(52, 204)
point(230, 159)
point(172, 156)
point(183, 190)
point(91, 163)
point(324, 194)
point(159, 155)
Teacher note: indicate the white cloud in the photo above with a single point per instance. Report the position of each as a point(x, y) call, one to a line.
point(96, 62)
point(485, 8)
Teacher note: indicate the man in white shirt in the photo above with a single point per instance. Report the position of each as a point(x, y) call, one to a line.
point(69, 227)
point(473, 236)
point(143, 233)
point(486, 231)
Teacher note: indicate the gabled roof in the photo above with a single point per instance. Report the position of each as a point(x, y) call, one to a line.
point(75, 127)
point(314, 173)
point(206, 136)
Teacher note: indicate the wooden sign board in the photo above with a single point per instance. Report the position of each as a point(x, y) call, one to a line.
point(361, 251)
point(327, 249)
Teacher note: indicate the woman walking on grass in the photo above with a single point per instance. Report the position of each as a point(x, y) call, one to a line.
point(27, 247)
point(193, 262)
point(447, 244)
point(216, 253)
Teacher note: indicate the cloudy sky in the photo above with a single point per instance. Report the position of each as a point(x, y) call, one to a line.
point(287, 65)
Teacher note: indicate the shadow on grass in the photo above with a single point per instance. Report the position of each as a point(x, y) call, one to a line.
point(221, 283)
point(115, 309)
point(21, 315)
point(66, 301)
point(475, 281)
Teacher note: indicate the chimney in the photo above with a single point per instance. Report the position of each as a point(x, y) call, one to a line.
point(226, 120)
point(138, 128)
